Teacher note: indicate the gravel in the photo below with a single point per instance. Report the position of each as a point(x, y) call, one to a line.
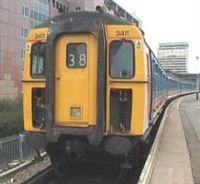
point(24, 173)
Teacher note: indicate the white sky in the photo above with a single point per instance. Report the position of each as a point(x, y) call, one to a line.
point(169, 21)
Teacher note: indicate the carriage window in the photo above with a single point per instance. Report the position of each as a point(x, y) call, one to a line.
point(121, 59)
point(38, 60)
point(76, 55)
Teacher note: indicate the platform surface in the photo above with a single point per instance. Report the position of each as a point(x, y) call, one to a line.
point(172, 164)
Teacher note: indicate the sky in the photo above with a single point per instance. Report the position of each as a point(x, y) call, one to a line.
point(169, 21)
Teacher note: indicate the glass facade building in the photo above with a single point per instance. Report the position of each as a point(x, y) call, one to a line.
point(174, 56)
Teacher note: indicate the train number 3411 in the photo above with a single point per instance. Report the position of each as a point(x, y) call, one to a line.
point(122, 33)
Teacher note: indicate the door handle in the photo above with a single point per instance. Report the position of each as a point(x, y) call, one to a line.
point(58, 77)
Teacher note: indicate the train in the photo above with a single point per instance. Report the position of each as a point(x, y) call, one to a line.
point(92, 85)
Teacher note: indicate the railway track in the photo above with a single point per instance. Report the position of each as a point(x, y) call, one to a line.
point(88, 173)
point(45, 176)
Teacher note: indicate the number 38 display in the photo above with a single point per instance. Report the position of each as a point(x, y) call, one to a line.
point(76, 55)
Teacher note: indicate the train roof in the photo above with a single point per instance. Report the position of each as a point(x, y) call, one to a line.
point(84, 15)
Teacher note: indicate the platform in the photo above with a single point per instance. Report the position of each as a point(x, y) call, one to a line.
point(169, 161)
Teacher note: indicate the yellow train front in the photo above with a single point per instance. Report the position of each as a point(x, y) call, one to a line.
point(87, 86)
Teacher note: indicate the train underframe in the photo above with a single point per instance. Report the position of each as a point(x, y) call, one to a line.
point(122, 151)
point(116, 150)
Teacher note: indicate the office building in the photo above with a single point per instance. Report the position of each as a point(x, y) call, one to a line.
point(173, 56)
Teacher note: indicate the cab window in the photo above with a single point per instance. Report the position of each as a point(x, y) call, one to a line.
point(121, 59)
point(38, 60)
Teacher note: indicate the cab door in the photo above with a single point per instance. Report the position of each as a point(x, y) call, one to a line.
point(127, 81)
point(76, 76)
